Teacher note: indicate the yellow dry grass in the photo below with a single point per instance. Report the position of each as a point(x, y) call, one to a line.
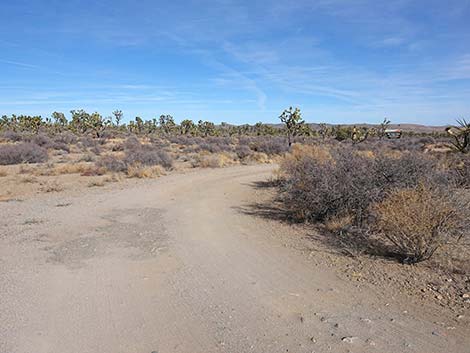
point(142, 172)
point(339, 223)
point(216, 160)
point(64, 168)
point(366, 154)
point(319, 153)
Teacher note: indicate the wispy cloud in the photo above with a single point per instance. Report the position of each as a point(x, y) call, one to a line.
point(20, 64)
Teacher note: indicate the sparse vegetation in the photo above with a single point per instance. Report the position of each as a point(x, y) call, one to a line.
point(406, 199)
point(346, 177)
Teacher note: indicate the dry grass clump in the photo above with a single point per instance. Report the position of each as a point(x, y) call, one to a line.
point(259, 157)
point(97, 183)
point(320, 153)
point(51, 169)
point(143, 172)
point(304, 153)
point(418, 221)
point(366, 154)
point(52, 186)
point(339, 224)
point(217, 160)
point(71, 168)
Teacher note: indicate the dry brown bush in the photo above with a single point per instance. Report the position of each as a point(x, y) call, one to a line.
point(417, 221)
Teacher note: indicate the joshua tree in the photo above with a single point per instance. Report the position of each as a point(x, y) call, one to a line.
point(29, 123)
point(292, 118)
point(167, 124)
point(59, 119)
point(382, 128)
point(97, 124)
point(206, 128)
point(117, 116)
point(187, 127)
point(359, 135)
point(323, 131)
point(79, 121)
point(461, 136)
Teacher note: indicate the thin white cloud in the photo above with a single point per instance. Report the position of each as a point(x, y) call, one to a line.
point(19, 63)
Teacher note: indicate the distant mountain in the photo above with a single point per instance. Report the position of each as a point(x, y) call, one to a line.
point(405, 127)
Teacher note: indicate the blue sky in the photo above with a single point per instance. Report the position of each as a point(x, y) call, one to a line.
point(340, 61)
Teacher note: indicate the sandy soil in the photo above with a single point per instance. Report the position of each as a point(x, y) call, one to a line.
point(179, 264)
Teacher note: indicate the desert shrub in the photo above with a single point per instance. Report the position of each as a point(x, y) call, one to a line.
point(45, 141)
point(243, 151)
point(111, 164)
point(148, 155)
point(221, 141)
point(424, 140)
point(22, 153)
point(459, 167)
point(10, 135)
point(88, 142)
point(270, 145)
point(179, 139)
point(96, 150)
point(417, 221)
point(212, 148)
point(140, 154)
point(215, 144)
point(316, 189)
point(320, 184)
point(131, 143)
point(60, 146)
point(41, 140)
point(117, 147)
point(407, 169)
point(159, 142)
point(66, 137)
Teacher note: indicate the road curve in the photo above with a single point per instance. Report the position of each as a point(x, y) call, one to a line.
point(175, 265)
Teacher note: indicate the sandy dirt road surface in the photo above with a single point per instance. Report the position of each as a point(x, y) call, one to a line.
point(175, 265)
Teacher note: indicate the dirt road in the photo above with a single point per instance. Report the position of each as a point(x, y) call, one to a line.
point(175, 265)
